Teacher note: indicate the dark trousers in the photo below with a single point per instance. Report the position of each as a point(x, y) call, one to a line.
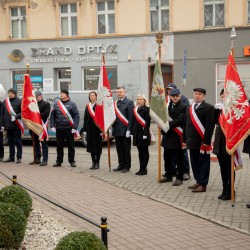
point(14, 139)
point(186, 163)
point(1, 145)
point(45, 148)
point(168, 162)
point(95, 158)
point(63, 136)
point(123, 148)
point(225, 169)
point(201, 166)
point(143, 157)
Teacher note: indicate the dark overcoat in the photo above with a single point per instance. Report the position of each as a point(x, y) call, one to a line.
point(246, 147)
point(6, 117)
point(94, 139)
point(171, 139)
point(190, 135)
point(126, 107)
point(138, 131)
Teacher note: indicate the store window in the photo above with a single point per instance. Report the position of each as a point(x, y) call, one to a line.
point(64, 78)
point(18, 22)
point(36, 76)
point(244, 73)
point(106, 17)
point(248, 2)
point(213, 13)
point(159, 15)
point(68, 19)
point(91, 77)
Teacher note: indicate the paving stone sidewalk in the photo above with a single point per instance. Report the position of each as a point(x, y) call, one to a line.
point(135, 221)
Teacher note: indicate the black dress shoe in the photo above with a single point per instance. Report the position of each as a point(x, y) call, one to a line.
point(125, 170)
point(92, 166)
point(73, 164)
point(248, 205)
point(18, 161)
point(44, 163)
point(9, 160)
point(35, 162)
point(167, 179)
point(117, 169)
point(57, 164)
point(96, 167)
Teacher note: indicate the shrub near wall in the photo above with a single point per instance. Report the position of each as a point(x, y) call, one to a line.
point(18, 196)
point(80, 241)
point(12, 226)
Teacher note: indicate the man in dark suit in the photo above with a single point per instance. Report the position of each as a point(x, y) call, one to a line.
point(197, 134)
point(171, 140)
point(121, 130)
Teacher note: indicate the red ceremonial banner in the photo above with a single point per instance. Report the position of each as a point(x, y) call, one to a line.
point(235, 119)
point(30, 111)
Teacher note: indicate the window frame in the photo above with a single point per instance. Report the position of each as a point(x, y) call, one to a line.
point(18, 18)
point(160, 9)
point(106, 12)
point(248, 11)
point(68, 15)
point(213, 3)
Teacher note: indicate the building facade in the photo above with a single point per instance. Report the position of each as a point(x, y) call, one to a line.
point(62, 40)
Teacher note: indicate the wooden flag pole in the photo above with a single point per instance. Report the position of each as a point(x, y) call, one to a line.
point(232, 38)
point(32, 133)
point(159, 40)
point(109, 161)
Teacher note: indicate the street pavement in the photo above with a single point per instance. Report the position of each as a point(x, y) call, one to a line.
point(142, 213)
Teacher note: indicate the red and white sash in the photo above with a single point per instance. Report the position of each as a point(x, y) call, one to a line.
point(67, 115)
point(200, 129)
point(91, 111)
point(139, 118)
point(45, 134)
point(118, 113)
point(11, 111)
point(178, 130)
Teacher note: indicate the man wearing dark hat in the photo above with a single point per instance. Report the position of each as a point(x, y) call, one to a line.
point(171, 140)
point(64, 121)
point(197, 135)
point(184, 100)
point(44, 108)
point(11, 122)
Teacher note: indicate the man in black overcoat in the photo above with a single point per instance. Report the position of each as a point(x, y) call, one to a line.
point(171, 140)
point(121, 130)
point(197, 134)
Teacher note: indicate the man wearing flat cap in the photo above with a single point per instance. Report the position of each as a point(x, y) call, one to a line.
point(11, 122)
point(64, 121)
point(197, 135)
point(171, 140)
point(44, 108)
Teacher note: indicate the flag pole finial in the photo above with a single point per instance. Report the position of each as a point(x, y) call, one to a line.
point(159, 40)
point(103, 56)
point(232, 36)
point(27, 65)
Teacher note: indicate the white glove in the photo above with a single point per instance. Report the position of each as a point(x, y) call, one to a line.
point(53, 129)
point(218, 106)
point(73, 131)
point(84, 133)
point(101, 134)
point(144, 137)
point(13, 118)
point(2, 129)
point(128, 134)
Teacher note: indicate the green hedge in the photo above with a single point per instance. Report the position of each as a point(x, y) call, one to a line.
point(80, 241)
point(12, 226)
point(18, 196)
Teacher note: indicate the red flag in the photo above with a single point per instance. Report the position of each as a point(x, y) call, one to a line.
point(30, 111)
point(104, 111)
point(235, 119)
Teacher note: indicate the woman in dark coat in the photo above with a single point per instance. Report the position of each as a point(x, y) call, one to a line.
point(140, 130)
point(94, 134)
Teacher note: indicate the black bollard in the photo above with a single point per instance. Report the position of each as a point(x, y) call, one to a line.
point(14, 180)
point(104, 231)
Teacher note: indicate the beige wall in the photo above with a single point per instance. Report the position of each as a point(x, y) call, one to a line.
point(132, 17)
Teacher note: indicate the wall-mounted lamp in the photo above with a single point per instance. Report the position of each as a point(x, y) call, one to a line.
point(129, 58)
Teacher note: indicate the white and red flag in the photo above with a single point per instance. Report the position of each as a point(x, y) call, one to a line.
point(30, 111)
point(235, 118)
point(104, 111)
